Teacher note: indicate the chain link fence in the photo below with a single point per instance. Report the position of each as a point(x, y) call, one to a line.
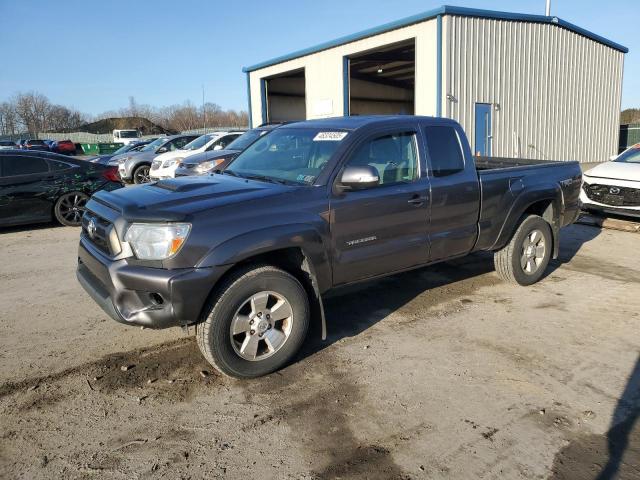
point(86, 137)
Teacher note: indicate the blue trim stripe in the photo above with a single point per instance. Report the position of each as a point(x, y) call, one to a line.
point(444, 10)
point(249, 98)
point(345, 86)
point(439, 68)
point(263, 99)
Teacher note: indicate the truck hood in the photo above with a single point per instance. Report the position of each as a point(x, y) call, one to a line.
point(175, 200)
point(616, 170)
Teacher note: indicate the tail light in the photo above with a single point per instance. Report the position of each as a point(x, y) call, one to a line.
point(111, 174)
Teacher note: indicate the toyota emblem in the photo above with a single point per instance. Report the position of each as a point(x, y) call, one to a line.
point(614, 190)
point(91, 228)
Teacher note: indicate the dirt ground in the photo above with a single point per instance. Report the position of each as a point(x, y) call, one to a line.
point(444, 372)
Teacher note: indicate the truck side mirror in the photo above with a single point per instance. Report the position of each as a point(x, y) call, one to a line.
point(359, 177)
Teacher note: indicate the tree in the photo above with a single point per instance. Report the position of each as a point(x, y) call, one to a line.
point(630, 115)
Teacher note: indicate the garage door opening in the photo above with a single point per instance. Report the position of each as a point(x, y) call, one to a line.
point(285, 97)
point(382, 81)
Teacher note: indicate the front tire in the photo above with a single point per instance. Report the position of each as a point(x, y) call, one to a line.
point(141, 174)
point(69, 208)
point(255, 322)
point(525, 258)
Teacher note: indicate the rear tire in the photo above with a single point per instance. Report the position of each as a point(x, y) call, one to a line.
point(69, 208)
point(525, 258)
point(255, 322)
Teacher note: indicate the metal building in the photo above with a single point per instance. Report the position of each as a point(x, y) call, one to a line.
point(521, 85)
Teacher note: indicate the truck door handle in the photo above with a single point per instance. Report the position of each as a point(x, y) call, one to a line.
point(417, 200)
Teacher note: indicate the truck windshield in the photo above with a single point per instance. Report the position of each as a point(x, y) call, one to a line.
point(630, 156)
point(128, 134)
point(295, 155)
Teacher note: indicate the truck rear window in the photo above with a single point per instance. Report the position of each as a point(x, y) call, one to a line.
point(445, 154)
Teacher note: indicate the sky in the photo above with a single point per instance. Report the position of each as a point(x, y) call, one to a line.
point(93, 55)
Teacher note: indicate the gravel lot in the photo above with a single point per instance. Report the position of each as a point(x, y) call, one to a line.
point(443, 372)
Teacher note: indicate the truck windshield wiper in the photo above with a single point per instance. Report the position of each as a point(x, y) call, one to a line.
point(265, 178)
point(229, 172)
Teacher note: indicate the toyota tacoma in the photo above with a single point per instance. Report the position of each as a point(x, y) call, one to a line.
point(246, 254)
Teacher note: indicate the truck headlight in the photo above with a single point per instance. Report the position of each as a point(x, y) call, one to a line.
point(151, 241)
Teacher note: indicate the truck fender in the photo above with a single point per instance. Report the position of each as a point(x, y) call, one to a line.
point(303, 236)
point(522, 203)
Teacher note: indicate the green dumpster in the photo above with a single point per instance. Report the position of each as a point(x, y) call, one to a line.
point(105, 148)
point(90, 148)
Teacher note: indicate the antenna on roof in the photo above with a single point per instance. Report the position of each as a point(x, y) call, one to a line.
point(548, 9)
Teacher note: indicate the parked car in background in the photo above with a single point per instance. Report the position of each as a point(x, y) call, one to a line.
point(64, 147)
point(126, 136)
point(32, 144)
point(164, 166)
point(107, 159)
point(246, 255)
point(208, 161)
point(614, 186)
point(134, 166)
point(50, 143)
point(8, 145)
point(38, 187)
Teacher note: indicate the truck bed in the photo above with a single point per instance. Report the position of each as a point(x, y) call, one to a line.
point(492, 163)
point(506, 182)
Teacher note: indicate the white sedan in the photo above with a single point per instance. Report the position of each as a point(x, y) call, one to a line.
point(614, 187)
point(164, 165)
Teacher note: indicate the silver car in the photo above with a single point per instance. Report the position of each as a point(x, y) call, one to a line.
point(134, 167)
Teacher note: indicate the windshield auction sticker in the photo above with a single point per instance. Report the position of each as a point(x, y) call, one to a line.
point(329, 136)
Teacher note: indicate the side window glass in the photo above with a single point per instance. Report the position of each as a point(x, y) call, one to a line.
point(60, 165)
point(395, 157)
point(14, 166)
point(444, 149)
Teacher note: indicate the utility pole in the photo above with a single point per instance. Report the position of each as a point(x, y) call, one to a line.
point(548, 10)
point(204, 112)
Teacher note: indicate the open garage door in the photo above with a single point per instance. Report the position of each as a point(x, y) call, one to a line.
point(285, 97)
point(382, 81)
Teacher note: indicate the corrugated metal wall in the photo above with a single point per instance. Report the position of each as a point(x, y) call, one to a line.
point(556, 94)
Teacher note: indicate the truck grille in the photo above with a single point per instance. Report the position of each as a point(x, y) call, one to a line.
point(612, 195)
point(100, 233)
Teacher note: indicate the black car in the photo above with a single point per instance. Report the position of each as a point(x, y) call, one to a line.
point(38, 187)
point(33, 144)
point(129, 147)
point(211, 160)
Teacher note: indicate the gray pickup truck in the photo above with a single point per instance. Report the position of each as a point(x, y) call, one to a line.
point(247, 254)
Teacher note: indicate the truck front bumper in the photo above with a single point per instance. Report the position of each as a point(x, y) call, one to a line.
point(140, 295)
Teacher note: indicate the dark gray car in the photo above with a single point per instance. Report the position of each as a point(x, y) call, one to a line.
point(206, 162)
point(134, 167)
point(247, 255)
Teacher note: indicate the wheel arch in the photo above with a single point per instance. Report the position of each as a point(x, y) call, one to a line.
point(298, 252)
point(546, 203)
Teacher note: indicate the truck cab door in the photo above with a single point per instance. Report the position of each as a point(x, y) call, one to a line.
point(455, 192)
point(383, 228)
